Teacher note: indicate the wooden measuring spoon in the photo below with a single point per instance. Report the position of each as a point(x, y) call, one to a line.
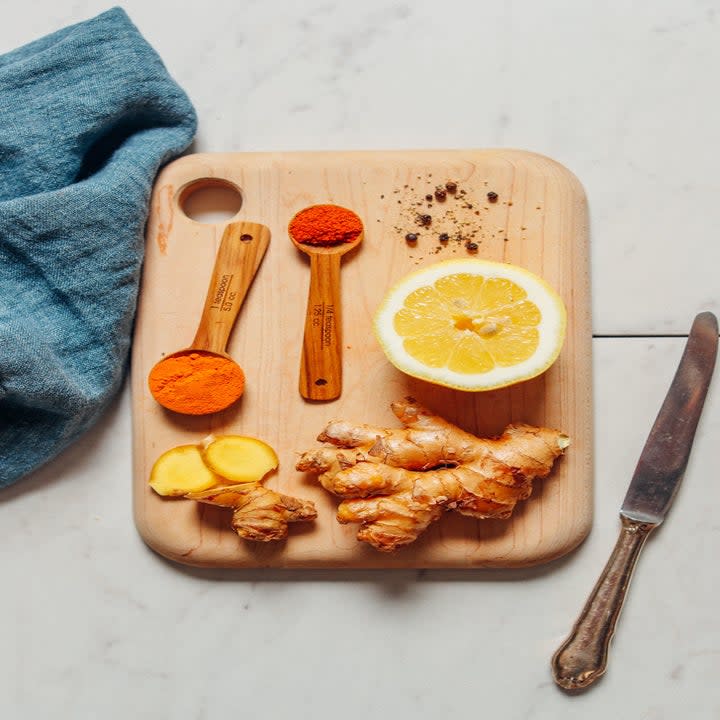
point(241, 251)
point(321, 360)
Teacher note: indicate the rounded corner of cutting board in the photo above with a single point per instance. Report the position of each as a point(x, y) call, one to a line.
point(186, 169)
point(556, 547)
point(174, 167)
point(170, 546)
point(547, 164)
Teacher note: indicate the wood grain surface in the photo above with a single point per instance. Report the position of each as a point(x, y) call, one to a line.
point(539, 221)
point(242, 248)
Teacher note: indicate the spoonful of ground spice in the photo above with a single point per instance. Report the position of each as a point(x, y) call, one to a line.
point(325, 233)
point(203, 378)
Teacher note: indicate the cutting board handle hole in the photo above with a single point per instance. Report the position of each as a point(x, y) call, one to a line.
point(210, 200)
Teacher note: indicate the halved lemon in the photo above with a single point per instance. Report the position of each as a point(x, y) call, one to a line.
point(472, 324)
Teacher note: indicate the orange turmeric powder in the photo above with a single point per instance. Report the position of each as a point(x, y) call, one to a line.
point(196, 383)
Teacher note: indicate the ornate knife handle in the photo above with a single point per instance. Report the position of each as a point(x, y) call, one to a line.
point(582, 658)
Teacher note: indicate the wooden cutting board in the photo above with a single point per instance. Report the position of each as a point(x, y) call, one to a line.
point(538, 221)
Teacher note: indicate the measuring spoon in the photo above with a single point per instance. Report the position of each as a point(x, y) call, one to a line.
point(321, 359)
point(241, 251)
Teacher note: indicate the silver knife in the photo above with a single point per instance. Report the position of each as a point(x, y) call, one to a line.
point(582, 658)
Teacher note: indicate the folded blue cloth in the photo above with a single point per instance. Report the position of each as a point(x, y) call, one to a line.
point(87, 116)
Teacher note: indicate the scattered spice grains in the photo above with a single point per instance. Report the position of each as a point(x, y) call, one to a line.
point(456, 221)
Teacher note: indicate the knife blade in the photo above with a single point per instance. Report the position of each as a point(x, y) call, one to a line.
point(582, 658)
point(666, 452)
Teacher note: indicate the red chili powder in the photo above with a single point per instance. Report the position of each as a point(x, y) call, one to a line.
point(325, 225)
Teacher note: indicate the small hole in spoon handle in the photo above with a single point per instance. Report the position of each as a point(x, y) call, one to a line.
point(241, 251)
point(321, 360)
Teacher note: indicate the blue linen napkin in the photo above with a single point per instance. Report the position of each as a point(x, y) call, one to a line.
point(87, 117)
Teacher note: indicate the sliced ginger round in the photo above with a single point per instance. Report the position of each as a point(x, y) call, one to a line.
point(238, 458)
point(180, 471)
point(471, 324)
point(227, 471)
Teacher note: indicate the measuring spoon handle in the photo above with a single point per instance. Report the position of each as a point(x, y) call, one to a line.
point(241, 251)
point(321, 361)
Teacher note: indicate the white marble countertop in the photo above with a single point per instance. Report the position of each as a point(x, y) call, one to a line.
point(96, 625)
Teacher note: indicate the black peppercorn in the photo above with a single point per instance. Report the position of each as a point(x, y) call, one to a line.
point(440, 194)
point(424, 219)
point(451, 186)
point(411, 238)
point(492, 196)
point(428, 197)
point(471, 246)
point(443, 237)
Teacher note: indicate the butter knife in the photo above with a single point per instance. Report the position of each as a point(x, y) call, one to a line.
point(582, 658)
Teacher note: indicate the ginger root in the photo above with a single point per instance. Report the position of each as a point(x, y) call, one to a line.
point(258, 512)
point(397, 481)
point(228, 470)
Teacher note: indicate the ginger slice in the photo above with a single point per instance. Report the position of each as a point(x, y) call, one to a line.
point(396, 482)
point(181, 470)
point(227, 470)
point(239, 458)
